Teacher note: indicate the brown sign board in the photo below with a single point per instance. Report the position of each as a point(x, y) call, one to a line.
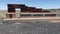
point(24, 8)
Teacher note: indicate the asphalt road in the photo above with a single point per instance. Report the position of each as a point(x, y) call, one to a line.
point(43, 27)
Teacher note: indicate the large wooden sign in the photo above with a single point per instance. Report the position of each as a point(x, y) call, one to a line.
point(12, 7)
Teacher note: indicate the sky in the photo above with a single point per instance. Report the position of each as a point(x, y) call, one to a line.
point(45, 4)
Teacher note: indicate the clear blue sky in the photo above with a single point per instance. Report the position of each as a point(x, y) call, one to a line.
point(46, 4)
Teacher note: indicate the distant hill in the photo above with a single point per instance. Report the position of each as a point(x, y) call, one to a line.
point(54, 10)
point(3, 13)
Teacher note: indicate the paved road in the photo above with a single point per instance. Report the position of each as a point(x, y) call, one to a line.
point(42, 27)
